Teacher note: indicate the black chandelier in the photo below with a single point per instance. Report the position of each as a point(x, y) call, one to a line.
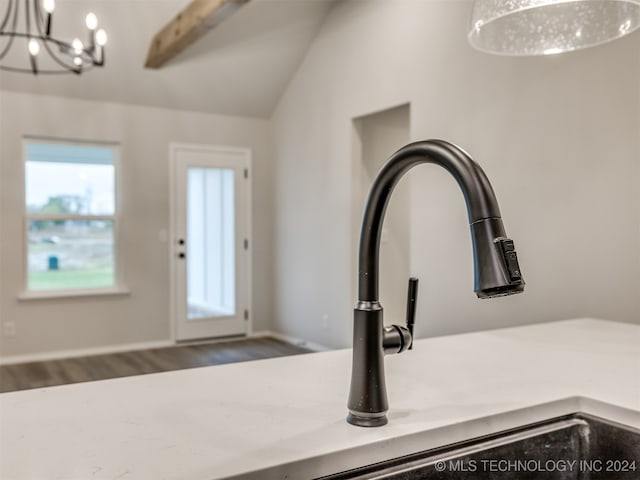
point(30, 29)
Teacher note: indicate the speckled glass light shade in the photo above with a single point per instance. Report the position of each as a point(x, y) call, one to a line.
point(542, 27)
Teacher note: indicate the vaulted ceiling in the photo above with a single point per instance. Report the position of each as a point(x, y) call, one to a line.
point(241, 67)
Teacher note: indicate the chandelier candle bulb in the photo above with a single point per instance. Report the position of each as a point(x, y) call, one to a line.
point(34, 47)
point(77, 46)
point(49, 6)
point(101, 41)
point(91, 21)
point(101, 37)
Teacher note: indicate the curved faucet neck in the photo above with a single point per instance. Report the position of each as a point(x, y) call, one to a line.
point(478, 193)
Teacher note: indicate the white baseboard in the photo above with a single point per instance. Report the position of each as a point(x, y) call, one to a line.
point(316, 347)
point(83, 352)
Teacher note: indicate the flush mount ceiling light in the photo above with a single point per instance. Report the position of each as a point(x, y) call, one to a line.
point(27, 46)
point(544, 27)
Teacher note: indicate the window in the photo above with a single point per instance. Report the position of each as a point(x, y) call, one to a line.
point(210, 242)
point(71, 216)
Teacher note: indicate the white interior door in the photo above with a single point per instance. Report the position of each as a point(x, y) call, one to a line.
point(210, 250)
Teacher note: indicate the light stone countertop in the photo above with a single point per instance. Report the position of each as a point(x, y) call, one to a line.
point(286, 416)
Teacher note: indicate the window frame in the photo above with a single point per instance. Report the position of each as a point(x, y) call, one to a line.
point(118, 288)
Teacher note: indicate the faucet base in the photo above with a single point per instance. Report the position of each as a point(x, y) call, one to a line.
point(367, 404)
point(368, 420)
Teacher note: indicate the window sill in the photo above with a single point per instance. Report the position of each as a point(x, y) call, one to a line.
point(53, 294)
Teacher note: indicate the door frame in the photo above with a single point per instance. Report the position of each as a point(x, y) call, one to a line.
point(174, 315)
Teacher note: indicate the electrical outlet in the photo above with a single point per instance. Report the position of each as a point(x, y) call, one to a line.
point(325, 321)
point(9, 329)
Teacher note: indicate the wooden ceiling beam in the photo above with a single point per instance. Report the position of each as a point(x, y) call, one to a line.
point(188, 26)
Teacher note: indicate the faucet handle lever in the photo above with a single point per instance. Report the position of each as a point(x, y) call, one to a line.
point(412, 299)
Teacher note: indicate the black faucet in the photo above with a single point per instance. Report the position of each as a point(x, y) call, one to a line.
point(495, 261)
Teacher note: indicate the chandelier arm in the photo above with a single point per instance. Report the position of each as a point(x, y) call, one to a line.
point(7, 47)
point(27, 18)
point(39, 27)
point(7, 15)
point(38, 15)
point(28, 70)
point(14, 25)
point(32, 58)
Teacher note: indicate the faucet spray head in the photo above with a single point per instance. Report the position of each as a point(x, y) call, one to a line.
point(497, 272)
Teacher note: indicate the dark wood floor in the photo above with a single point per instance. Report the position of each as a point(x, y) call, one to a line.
point(99, 367)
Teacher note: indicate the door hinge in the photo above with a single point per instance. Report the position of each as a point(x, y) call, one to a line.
point(246, 173)
point(246, 244)
point(246, 314)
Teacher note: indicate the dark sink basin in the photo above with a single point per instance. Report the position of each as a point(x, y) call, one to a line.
point(574, 447)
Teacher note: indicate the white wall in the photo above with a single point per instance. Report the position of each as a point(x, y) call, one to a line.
point(144, 135)
point(377, 137)
point(558, 137)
